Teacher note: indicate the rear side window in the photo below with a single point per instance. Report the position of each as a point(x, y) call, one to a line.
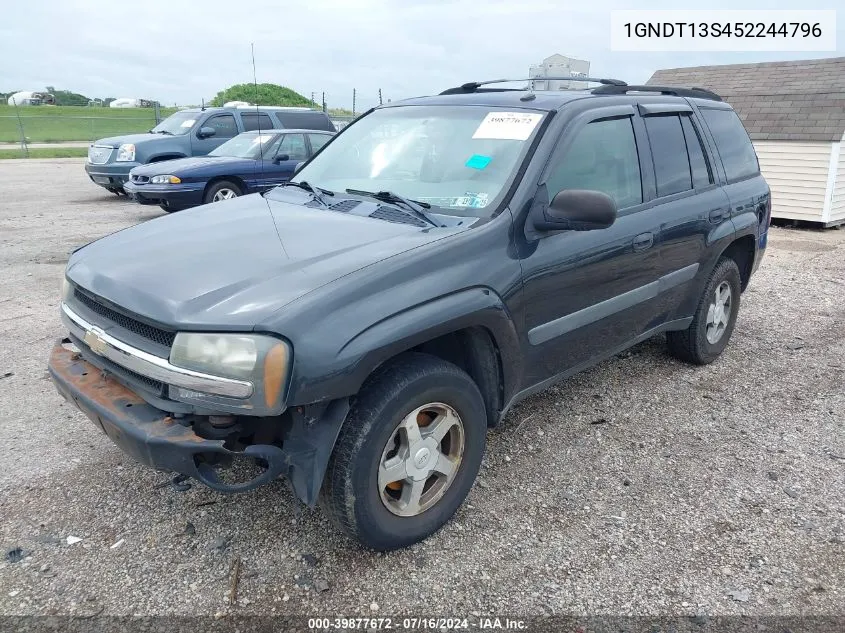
point(701, 174)
point(732, 143)
point(603, 157)
point(252, 120)
point(304, 120)
point(669, 152)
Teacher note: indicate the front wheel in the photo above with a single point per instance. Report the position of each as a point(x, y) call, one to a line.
point(407, 454)
point(714, 320)
point(222, 190)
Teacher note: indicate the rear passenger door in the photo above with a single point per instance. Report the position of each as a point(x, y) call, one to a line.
point(687, 200)
point(256, 121)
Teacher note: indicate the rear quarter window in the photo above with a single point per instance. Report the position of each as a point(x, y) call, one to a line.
point(303, 120)
point(732, 143)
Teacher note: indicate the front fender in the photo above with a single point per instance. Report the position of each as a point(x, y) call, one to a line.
point(316, 378)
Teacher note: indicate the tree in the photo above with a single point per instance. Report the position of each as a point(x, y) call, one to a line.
point(267, 94)
point(68, 98)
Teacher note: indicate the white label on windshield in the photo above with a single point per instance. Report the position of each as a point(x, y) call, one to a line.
point(188, 123)
point(261, 138)
point(515, 126)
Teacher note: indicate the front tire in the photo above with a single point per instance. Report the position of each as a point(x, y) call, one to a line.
point(714, 320)
point(222, 190)
point(408, 453)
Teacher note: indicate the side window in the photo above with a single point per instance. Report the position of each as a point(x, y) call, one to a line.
point(252, 120)
point(223, 124)
point(669, 152)
point(294, 146)
point(701, 174)
point(732, 143)
point(603, 157)
point(317, 141)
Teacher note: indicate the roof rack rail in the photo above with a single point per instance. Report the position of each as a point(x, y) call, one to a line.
point(474, 86)
point(698, 93)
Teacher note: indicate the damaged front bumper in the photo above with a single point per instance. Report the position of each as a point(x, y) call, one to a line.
point(297, 445)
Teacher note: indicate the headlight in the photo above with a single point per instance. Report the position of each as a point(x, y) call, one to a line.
point(262, 360)
point(66, 288)
point(165, 180)
point(125, 153)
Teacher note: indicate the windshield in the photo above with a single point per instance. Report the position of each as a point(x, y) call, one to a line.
point(248, 145)
point(460, 159)
point(177, 123)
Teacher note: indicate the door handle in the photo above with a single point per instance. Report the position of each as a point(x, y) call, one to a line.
point(717, 215)
point(643, 241)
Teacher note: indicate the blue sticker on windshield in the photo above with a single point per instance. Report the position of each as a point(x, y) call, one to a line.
point(477, 161)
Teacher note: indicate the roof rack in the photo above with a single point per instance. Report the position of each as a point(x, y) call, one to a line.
point(474, 86)
point(698, 93)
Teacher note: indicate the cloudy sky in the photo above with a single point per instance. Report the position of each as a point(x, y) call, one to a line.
point(179, 51)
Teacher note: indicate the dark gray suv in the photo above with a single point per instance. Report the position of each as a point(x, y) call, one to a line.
point(193, 132)
point(358, 329)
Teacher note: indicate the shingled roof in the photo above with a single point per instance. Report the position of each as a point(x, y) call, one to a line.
point(797, 101)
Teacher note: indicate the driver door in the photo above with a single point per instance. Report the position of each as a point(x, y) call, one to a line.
point(587, 293)
point(224, 127)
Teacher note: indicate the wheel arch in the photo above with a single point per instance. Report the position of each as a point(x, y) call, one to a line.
point(158, 158)
point(471, 328)
point(233, 179)
point(742, 250)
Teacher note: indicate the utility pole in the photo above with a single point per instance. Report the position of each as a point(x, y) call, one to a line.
point(353, 102)
point(324, 100)
point(379, 96)
point(312, 98)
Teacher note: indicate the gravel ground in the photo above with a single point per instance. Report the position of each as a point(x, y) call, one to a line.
point(642, 486)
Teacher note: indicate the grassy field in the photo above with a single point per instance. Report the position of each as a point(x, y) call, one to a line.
point(45, 152)
point(69, 123)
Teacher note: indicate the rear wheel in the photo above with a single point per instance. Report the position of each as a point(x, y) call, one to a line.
point(222, 190)
point(714, 320)
point(407, 454)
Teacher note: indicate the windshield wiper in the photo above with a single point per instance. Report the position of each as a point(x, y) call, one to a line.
point(314, 191)
point(414, 206)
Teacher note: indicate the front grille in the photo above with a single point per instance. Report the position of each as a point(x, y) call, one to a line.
point(392, 214)
point(127, 376)
point(99, 154)
point(162, 337)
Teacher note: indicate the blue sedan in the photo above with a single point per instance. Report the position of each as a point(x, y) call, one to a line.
point(248, 163)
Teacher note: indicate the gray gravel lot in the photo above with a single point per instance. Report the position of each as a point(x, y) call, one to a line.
point(643, 486)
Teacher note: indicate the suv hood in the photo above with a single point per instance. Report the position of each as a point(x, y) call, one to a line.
point(231, 264)
point(117, 141)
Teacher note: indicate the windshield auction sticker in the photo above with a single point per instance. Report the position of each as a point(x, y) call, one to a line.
point(514, 126)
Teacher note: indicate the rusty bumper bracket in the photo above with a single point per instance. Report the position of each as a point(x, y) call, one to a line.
point(149, 435)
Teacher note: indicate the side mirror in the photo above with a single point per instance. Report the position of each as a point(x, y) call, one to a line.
point(206, 131)
point(280, 158)
point(577, 210)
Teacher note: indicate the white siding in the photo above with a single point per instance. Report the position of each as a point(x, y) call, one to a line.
point(797, 173)
point(837, 204)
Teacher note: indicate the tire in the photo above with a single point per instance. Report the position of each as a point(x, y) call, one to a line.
point(169, 209)
point(220, 190)
point(701, 343)
point(351, 493)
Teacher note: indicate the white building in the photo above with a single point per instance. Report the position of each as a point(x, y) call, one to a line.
point(794, 113)
point(125, 102)
point(559, 66)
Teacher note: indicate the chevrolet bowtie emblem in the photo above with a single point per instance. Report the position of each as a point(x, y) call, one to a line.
point(94, 340)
